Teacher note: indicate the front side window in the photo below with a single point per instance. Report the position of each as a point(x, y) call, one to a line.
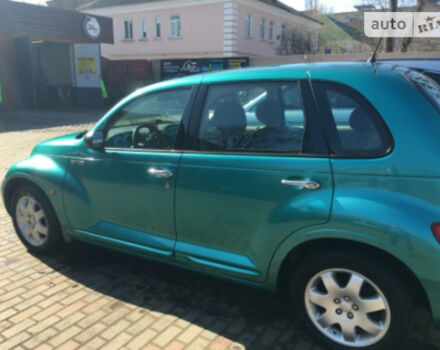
point(248, 25)
point(128, 30)
point(263, 29)
point(157, 24)
point(149, 122)
point(175, 30)
point(263, 117)
point(144, 29)
point(354, 127)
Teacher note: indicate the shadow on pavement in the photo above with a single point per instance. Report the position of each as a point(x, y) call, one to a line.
point(242, 314)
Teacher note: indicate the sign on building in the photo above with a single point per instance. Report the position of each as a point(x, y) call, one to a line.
point(174, 68)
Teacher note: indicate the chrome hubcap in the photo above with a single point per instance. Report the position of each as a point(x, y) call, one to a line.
point(31, 221)
point(347, 307)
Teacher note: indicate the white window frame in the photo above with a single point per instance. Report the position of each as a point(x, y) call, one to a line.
point(157, 28)
point(175, 26)
point(248, 25)
point(263, 29)
point(271, 31)
point(128, 29)
point(144, 32)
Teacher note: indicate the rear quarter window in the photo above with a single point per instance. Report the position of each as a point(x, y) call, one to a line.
point(354, 127)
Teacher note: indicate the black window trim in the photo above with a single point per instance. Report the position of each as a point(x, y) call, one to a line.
point(191, 140)
point(180, 138)
point(387, 133)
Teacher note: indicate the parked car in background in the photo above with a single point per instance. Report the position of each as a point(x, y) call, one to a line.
point(321, 181)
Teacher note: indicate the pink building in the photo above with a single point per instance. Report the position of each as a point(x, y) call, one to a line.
point(161, 29)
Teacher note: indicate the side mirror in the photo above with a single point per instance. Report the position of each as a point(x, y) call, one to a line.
point(94, 139)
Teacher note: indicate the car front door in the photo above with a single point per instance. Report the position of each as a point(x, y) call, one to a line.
point(124, 194)
point(256, 171)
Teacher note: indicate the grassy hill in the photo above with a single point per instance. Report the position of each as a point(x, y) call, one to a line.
point(340, 37)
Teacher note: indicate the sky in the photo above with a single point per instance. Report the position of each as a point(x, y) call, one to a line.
point(334, 5)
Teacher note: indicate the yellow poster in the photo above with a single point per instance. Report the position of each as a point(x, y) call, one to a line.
point(87, 66)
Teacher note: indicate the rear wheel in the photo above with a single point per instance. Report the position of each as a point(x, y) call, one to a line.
point(35, 221)
point(347, 301)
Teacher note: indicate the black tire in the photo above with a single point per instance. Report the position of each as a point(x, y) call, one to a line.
point(377, 271)
point(54, 241)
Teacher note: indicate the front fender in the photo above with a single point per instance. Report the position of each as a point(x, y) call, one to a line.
point(45, 172)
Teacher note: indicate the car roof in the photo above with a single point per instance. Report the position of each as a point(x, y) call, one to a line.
point(320, 70)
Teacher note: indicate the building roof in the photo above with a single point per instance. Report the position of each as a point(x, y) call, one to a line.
point(93, 4)
point(19, 19)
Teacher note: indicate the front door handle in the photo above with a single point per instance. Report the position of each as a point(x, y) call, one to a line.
point(307, 184)
point(160, 172)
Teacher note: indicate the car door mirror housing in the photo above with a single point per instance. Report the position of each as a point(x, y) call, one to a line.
point(94, 139)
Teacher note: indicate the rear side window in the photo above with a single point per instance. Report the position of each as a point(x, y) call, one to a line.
point(353, 126)
point(427, 85)
point(257, 117)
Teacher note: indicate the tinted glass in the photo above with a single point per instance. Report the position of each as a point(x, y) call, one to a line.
point(354, 127)
point(259, 117)
point(149, 122)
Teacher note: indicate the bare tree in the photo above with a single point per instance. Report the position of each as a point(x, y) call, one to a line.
point(311, 5)
point(295, 42)
point(394, 6)
point(406, 42)
point(315, 7)
point(389, 44)
point(385, 4)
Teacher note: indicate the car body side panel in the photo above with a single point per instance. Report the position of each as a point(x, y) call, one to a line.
point(374, 210)
point(232, 210)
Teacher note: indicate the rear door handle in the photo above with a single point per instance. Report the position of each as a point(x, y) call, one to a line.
point(160, 172)
point(307, 184)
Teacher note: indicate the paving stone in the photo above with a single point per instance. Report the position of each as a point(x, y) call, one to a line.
point(166, 336)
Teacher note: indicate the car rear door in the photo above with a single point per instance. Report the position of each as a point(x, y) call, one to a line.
point(256, 169)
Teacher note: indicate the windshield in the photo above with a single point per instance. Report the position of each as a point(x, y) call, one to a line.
point(427, 85)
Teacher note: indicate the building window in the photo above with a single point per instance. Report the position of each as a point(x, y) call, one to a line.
point(143, 29)
point(283, 32)
point(128, 30)
point(271, 31)
point(263, 29)
point(248, 25)
point(175, 27)
point(157, 22)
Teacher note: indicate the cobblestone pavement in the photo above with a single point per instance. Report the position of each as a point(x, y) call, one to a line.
point(92, 298)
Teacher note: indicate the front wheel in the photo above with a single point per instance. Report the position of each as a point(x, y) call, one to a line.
point(35, 220)
point(347, 301)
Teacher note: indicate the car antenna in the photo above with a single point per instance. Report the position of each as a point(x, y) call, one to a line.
point(372, 58)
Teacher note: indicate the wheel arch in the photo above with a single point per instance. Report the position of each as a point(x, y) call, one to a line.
point(297, 253)
point(12, 185)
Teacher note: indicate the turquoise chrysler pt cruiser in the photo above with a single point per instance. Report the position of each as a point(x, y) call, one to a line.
point(321, 181)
